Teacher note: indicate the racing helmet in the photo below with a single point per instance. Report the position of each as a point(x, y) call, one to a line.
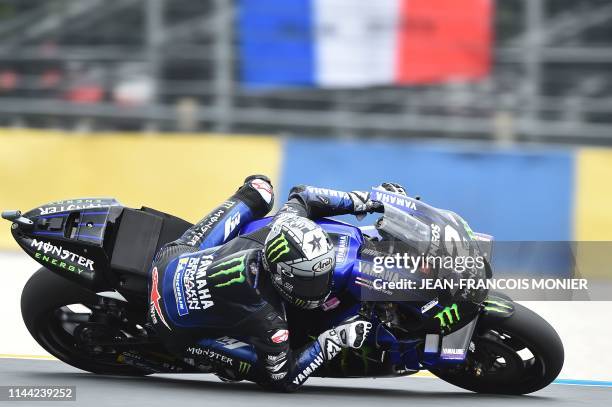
point(301, 258)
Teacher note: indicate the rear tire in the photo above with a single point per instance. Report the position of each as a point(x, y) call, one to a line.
point(500, 338)
point(44, 297)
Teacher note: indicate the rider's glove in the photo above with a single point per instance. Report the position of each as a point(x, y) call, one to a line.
point(257, 176)
point(351, 334)
point(362, 203)
point(375, 206)
point(263, 185)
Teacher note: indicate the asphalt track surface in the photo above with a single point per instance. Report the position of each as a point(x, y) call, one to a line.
point(207, 390)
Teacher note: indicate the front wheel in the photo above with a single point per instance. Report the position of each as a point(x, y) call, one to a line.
point(519, 354)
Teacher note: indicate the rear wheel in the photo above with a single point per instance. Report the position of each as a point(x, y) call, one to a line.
point(45, 302)
point(515, 355)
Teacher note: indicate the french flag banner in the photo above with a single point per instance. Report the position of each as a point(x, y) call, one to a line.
point(357, 43)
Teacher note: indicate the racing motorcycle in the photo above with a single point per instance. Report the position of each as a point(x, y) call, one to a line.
point(88, 302)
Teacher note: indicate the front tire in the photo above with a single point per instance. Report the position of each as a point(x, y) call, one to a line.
point(499, 362)
point(43, 308)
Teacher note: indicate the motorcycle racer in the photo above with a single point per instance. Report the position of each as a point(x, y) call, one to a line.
point(211, 283)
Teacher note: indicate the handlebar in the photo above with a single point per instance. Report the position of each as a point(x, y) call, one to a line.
point(15, 216)
point(11, 215)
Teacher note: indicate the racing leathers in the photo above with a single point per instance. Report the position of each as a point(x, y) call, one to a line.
point(211, 298)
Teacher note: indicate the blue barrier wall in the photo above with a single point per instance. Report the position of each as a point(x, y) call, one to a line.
point(513, 194)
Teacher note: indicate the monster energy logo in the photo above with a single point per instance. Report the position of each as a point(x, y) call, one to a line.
point(244, 367)
point(447, 314)
point(497, 306)
point(277, 247)
point(236, 265)
point(299, 303)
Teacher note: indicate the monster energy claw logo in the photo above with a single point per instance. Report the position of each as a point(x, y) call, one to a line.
point(244, 367)
point(447, 314)
point(277, 248)
point(497, 306)
point(235, 266)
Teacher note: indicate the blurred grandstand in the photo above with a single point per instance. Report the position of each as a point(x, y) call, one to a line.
point(179, 65)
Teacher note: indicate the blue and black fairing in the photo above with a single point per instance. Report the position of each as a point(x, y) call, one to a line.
point(68, 237)
point(82, 219)
point(97, 242)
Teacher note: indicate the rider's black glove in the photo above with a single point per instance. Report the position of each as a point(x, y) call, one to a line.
point(257, 176)
point(375, 206)
point(362, 204)
point(263, 186)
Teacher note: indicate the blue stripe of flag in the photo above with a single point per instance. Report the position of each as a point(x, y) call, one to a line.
point(276, 44)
